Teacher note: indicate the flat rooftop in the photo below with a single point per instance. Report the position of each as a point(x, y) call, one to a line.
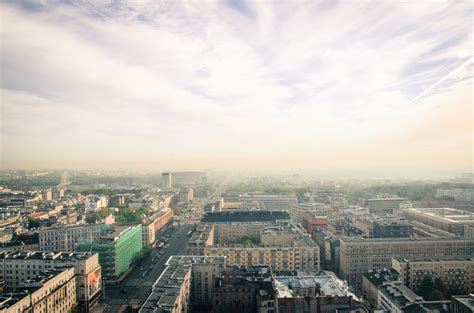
point(28, 287)
point(330, 285)
point(387, 199)
point(116, 231)
point(447, 214)
point(422, 260)
point(245, 216)
point(399, 294)
point(392, 240)
point(166, 289)
point(468, 300)
point(37, 255)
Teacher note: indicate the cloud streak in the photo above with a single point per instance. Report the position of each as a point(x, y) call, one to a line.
point(226, 79)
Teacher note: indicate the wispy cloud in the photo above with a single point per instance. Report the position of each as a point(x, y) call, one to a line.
point(226, 77)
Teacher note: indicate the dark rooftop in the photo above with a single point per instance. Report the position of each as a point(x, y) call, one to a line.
point(245, 216)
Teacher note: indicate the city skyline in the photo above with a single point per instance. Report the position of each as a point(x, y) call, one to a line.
point(361, 87)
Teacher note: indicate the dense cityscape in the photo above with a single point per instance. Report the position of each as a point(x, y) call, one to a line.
point(198, 241)
point(236, 156)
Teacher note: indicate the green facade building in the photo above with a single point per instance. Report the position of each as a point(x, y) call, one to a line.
point(117, 248)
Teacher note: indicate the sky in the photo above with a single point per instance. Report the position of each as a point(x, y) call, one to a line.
point(375, 86)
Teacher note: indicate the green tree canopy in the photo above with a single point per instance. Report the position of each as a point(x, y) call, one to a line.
point(247, 241)
point(33, 223)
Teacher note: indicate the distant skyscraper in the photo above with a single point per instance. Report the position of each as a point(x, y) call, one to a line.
point(166, 181)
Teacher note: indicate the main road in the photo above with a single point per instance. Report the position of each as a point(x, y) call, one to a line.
point(135, 288)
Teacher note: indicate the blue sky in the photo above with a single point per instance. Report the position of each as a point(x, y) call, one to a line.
point(122, 82)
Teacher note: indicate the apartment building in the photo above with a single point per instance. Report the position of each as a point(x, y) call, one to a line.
point(392, 228)
point(186, 195)
point(462, 304)
point(66, 217)
point(447, 219)
point(166, 181)
point(456, 273)
point(395, 297)
point(267, 201)
point(384, 290)
point(65, 238)
point(283, 247)
point(323, 292)
point(245, 289)
point(245, 216)
point(297, 212)
point(184, 278)
point(50, 291)
point(384, 205)
point(19, 267)
point(116, 248)
point(314, 223)
point(234, 232)
point(458, 194)
point(357, 256)
point(330, 195)
point(155, 224)
point(203, 236)
point(372, 280)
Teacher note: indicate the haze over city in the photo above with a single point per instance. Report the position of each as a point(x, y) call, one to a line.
point(362, 88)
point(236, 156)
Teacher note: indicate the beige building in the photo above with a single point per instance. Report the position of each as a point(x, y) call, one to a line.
point(155, 224)
point(297, 258)
point(18, 267)
point(384, 205)
point(65, 238)
point(447, 219)
point(297, 212)
point(47, 195)
point(53, 291)
point(202, 237)
point(357, 256)
point(233, 232)
point(186, 195)
point(456, 274)
point(282, 246)
point(267, 201)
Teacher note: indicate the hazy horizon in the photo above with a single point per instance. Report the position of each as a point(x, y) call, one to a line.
point(370, 89)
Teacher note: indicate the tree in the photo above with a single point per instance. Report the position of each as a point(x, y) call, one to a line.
point(426, 287)
point(436, 295)
point(439, 285)
point(33, 223)
point(247, 241)
point(103, 213)
point(131, 216)
point(90, 219)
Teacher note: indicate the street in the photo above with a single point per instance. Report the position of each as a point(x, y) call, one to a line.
point(136, 286)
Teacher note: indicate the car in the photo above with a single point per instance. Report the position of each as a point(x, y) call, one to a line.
point(123, 290)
